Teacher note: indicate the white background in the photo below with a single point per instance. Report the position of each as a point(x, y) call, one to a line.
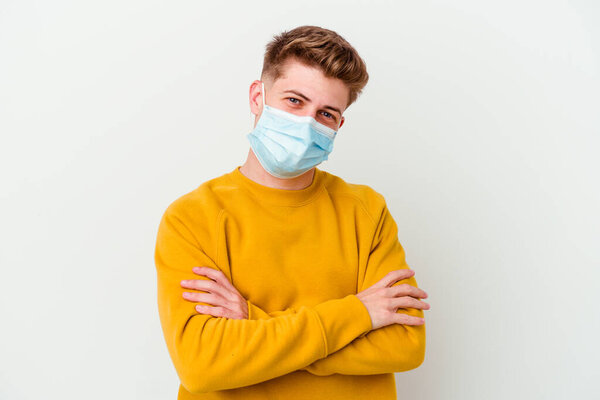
point(480, 125)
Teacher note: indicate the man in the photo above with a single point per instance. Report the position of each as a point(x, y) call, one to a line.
point(281, 280)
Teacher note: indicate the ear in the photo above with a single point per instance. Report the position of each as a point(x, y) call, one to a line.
point(255, 97)
point(342, 122)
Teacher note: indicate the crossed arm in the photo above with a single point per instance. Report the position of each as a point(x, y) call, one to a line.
point(393, 348)
point(335, 336)
point(373, 352)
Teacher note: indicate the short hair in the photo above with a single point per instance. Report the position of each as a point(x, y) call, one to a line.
point(321, 48)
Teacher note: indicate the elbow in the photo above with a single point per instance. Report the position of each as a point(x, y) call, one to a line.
point(195, 384)
point(192, 387)
point(411, 359)
point(196, 366)
point(199, 376)
point(414, 353)
point(202, 374)
point(418, 355)
point(191, 382)
point(195, 374)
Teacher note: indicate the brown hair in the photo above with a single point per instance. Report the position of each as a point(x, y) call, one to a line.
point(319, 47)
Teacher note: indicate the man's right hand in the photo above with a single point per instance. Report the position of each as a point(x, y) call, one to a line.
point(383, 300)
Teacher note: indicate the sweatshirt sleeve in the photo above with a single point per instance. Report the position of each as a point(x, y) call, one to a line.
point(214, 353)
point(393, 348)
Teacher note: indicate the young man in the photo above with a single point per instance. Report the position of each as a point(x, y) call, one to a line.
point(281, 280)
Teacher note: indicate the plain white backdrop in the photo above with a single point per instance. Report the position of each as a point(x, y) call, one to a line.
point(480, 125)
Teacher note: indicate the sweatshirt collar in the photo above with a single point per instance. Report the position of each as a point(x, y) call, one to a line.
point(282, 197)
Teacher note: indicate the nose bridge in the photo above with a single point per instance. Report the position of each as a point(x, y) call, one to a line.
point(313, 110)
point(309, 110)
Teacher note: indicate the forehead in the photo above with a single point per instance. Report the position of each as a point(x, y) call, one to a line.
point(313, 83)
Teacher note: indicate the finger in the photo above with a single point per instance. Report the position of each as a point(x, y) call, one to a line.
point(216, 275)
point(394, 276)
point(198, 284)
point(405, 319)
point(405, 289)
point(207, 285)
point(409, 302)
point(214, 311)
point(208, 298)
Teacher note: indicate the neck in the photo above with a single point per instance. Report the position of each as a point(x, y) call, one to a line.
point(253, 170)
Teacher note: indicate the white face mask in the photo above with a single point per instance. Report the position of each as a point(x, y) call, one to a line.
point(288, 145)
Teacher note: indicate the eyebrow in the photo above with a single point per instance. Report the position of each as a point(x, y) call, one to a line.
point(307, 99)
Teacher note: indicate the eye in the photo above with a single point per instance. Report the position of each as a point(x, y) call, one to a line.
point(327, 115)
point(294, 100)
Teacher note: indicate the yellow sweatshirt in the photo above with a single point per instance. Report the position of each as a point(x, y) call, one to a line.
point(298, 257)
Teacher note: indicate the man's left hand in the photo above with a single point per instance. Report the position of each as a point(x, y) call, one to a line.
point(224, 298)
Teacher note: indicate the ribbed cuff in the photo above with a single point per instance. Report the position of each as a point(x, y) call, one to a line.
point(343, 321)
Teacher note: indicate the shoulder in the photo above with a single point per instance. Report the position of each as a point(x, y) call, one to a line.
point(362, 194)
point(203, 204)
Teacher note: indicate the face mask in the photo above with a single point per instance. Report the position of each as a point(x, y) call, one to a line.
point(288, 145)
